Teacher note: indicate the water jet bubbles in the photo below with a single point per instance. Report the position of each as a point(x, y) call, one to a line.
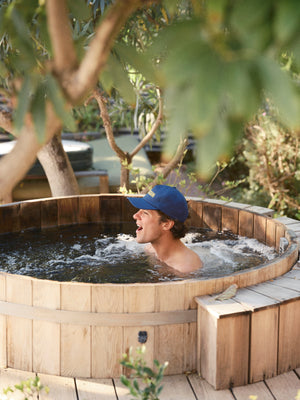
point(103, 241)
point(76, 246)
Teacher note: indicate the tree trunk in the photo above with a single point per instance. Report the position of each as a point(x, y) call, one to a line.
point(58, 168)
point(124, 177)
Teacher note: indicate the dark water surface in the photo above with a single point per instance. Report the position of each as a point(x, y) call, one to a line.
point(82, 253)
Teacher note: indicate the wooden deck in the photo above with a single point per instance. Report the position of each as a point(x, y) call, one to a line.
point(177, 387)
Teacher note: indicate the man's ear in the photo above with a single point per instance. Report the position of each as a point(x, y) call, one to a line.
point(168, 224)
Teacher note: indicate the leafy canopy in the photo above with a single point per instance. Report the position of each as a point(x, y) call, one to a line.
point(218, 66)
point(215, 60)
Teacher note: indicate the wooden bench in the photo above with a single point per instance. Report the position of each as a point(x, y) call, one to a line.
point(251, 337)
point(102, 174)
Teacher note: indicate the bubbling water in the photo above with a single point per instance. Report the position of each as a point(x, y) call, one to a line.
point(80, 253)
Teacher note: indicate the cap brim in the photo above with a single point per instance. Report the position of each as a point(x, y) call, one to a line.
point(139, 202)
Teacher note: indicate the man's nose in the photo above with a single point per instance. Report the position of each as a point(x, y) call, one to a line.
point(136, 215)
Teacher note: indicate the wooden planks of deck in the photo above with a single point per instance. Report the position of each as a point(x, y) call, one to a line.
point(177, 387)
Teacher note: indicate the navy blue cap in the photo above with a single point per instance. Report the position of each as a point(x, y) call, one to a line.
point(164, 198)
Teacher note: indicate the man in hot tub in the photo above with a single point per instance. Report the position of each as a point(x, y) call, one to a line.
point(160, 221)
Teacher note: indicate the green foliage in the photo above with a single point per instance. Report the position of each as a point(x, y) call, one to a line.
point(130, 76)
point(32, 98)
point(144, 382)
point(215, 78)
point(129, 59)
point(87, 118)
point(30, 389)
point(79, 10)
point(23, 37)
point(116, 76)
point(272, 155)
point(24, 50)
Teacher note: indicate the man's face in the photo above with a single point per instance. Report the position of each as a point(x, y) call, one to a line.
point(149, 226)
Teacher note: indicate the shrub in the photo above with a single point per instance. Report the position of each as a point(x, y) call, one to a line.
point(272, 155)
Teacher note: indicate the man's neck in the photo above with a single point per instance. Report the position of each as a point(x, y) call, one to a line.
point(166, 247)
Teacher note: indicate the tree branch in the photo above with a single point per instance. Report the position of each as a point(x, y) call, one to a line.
point(170, 166)
point(14, 165)
point(65, 59)
point(85, 78)
point(106, 123)
point(155, 126)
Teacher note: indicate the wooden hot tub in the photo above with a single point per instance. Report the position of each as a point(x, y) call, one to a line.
point(81, 329)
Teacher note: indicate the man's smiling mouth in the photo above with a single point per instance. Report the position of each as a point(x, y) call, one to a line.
point(139, 228)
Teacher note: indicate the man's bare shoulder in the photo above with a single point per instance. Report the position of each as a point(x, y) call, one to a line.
point(186, 261)
point(191, 261)
point(182, 259)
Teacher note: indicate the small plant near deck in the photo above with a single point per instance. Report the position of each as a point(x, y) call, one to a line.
point(252, 397)
point(31, 389)
point(144, 383)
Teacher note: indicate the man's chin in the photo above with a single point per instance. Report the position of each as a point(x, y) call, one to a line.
point(139, 240)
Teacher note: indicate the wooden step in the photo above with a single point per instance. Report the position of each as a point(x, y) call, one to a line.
point(252, 336)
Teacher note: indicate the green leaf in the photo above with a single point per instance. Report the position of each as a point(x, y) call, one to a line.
point(59, 104)
point(106, 80)
point(251, 22)
point(294, 49)
point(215, 12)
point(189, 110)
point(193, 98)
point(212, 146)
point(20, 386)
point(149, 372)
point(195, 77)
point(28, 9)
point(278, 85)
point(38, 110)
point(44, 34)
point(24, 100)
point(124, 380)
point(236, 127)
point(139, 61)
point(22, 34)
point(248, 14)
point(287, 17)
point(120, 79)
point(159, 390)
point(243, 89)
point(3, 70)
point(2, 21)
point(79, 9)
point(171, 6)
point(8, 390)
point(136, 385)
